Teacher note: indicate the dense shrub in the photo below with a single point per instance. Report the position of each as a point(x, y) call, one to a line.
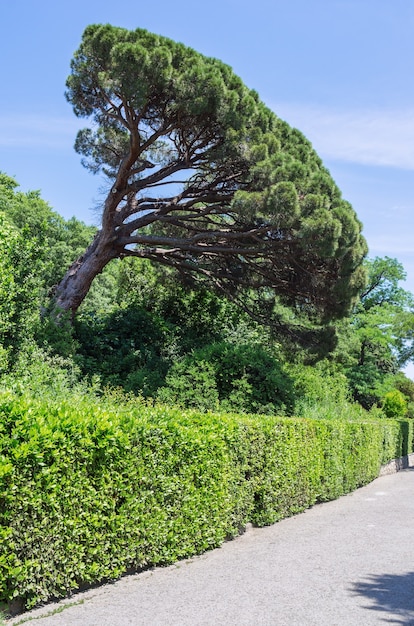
point(321, 391)
point(231, 377)
point(124, 348)
point(394, 404)
point(19, 288)
point(92, 489)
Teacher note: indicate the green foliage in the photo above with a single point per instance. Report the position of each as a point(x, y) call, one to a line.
point(321, 391)
point(384, 276)
point(101, 488)
point(241, 378)
point(36, 245)
point(406, 386)
point(206, 180)
point(56, 335)
point(154, 327)
point(103, 296)
point(125, 348)
point(394, 404)
point(195, 316)
point(57, 241)
point(191, 383)
point(391, 306)
point(162, 338)
point(92, 488)
point(43, 374)
point(19, 289)
point(66, 240)
point(377, 339)
point(366, 383)
point(143, 330)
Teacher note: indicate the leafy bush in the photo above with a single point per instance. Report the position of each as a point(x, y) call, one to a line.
point(42, 374)
point(19, 287)
point(90, 489)
point(394, 404)
point(124, 348)
point(244, 378)
point(321, 392)
point(192, 385)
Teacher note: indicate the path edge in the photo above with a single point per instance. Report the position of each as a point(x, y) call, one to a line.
point(396, 465)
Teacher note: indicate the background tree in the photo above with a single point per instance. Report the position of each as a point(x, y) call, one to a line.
point(205, 179)
point(223, 376)
point(379, 335)
point(59, 240)
point(37, 245)
point(154, 323)
point(142, 330)
point(20, 285)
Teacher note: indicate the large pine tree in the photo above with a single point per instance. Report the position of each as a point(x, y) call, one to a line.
point(204, 178)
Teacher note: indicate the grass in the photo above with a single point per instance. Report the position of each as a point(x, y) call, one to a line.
point(28, 618)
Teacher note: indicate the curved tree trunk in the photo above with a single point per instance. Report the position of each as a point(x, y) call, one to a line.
point(74, 286)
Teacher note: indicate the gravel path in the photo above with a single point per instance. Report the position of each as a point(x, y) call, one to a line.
point(347, 562)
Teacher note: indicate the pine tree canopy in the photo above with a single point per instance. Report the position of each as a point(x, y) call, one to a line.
point(206, 179)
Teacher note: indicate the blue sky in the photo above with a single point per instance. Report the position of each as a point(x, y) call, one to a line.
point(339, 70)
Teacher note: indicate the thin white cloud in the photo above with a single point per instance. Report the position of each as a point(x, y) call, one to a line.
point(391, 245)
point(36, 131)
point(368, 137)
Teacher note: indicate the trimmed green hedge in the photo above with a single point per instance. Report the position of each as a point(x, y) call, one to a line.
point(90, 490)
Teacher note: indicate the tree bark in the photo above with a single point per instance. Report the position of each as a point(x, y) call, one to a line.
point(75, 285)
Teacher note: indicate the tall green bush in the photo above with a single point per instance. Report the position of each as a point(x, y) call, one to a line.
point(242, 377)
point(394, 404)
point(19, 288)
